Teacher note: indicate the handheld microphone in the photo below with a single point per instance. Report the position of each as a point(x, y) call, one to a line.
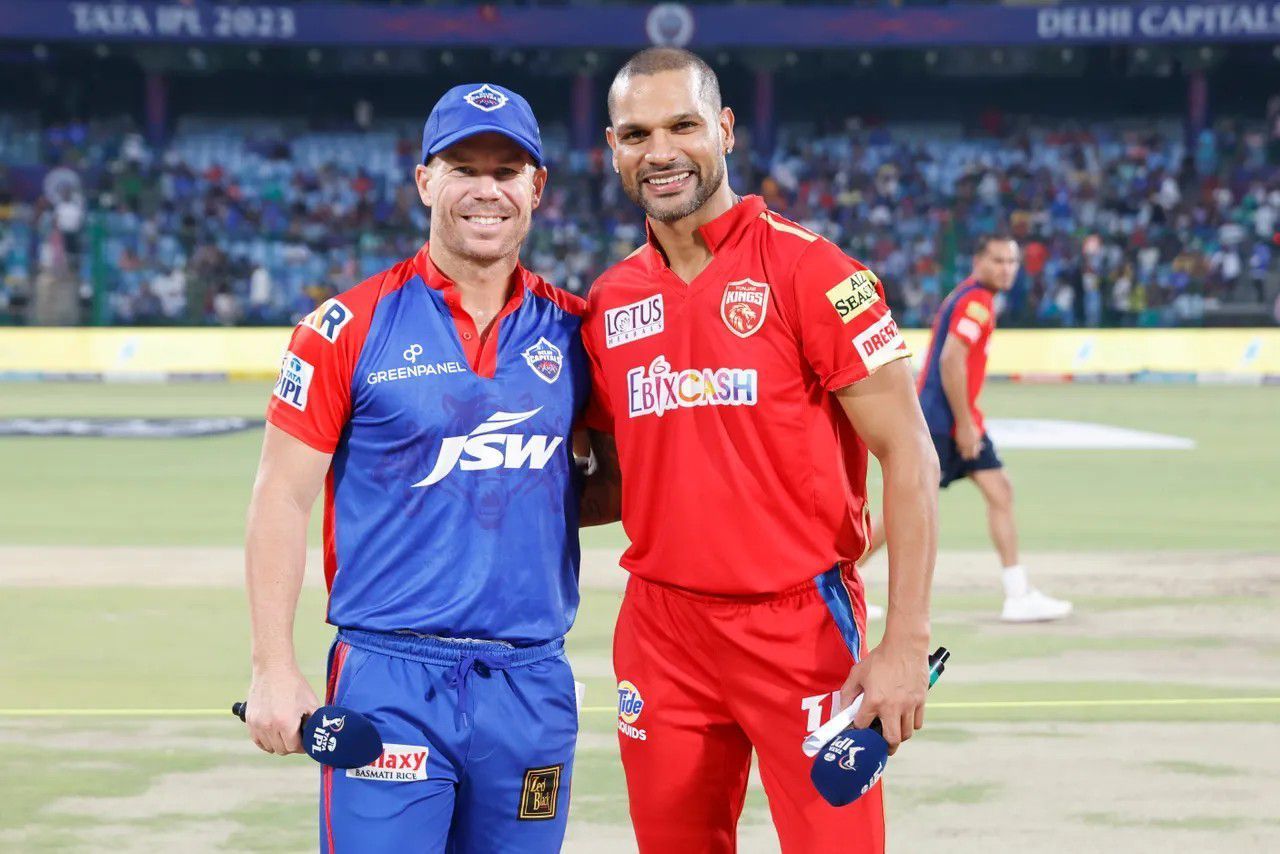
point(335, 736)
point(849, 761)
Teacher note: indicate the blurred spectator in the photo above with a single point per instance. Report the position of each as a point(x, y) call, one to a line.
point(255, 223)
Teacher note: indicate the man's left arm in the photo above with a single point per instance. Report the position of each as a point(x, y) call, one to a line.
point(851, 341)
point(893, 677)
point(595, 449)
point(601, 499)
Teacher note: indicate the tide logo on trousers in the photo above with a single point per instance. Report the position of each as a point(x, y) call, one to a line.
point(630, 705)
point(485, 448)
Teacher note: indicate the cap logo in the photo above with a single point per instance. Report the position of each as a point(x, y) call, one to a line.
point(486, 98)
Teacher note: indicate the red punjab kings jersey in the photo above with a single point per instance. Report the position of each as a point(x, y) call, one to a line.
point(740, 472)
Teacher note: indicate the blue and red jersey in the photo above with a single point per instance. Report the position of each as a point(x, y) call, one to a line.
point(449, 504)
point(969, 313)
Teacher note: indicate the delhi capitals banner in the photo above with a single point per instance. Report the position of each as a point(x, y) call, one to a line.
point(636, 26)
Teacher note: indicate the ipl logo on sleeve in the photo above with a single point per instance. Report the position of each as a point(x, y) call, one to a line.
point(294, 381)
point(545, 359)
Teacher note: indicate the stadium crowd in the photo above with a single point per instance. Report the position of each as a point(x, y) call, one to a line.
point(1121, 223)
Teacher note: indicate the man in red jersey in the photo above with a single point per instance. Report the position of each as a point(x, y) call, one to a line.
point(744, 366)
point(949, 385)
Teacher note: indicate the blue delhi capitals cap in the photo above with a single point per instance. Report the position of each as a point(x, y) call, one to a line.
point(474, 108)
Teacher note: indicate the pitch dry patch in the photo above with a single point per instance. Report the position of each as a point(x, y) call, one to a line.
point(1053, 435)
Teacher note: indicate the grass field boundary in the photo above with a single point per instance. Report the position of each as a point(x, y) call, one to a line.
point(985, 704)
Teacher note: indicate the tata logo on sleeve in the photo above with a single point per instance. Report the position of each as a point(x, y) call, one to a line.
point(632, 322)
point(294, 381)
point(880, 343)
point(485, 448)
point(328, 319)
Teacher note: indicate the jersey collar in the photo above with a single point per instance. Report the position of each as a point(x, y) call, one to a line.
point(724, 230)
point(973, 281)
point(436, 279)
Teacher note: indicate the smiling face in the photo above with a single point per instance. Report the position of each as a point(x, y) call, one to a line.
point(668, 142)
point(482, 192)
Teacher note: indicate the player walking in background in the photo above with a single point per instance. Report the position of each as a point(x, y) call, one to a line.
point(949, 385)
point(434, 402)
point(744, 366)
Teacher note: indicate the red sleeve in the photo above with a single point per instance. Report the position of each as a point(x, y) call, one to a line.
point(845, 328)
point(599, 413)
point(311, 400)
point(972, 320)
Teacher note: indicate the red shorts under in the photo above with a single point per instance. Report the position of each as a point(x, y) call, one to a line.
point(702, 680)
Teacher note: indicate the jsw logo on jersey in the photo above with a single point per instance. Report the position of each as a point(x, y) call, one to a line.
point(484, 448)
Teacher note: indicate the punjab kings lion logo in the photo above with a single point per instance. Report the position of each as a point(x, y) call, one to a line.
point(743, 306)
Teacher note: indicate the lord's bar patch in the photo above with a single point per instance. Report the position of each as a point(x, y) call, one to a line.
point(538, 798)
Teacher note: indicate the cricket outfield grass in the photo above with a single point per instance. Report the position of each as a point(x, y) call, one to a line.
point(1146, 722)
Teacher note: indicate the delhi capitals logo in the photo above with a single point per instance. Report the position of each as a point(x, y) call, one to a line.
point(545, 359)
point(486, 98)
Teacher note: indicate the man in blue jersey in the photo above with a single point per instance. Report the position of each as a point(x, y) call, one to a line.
point(434, 402)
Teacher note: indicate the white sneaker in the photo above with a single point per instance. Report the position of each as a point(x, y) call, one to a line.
point(1033, 607)
point(874, 612)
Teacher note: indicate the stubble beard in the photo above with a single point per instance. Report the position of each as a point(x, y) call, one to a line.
point(484, 254)
point(704, 189)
